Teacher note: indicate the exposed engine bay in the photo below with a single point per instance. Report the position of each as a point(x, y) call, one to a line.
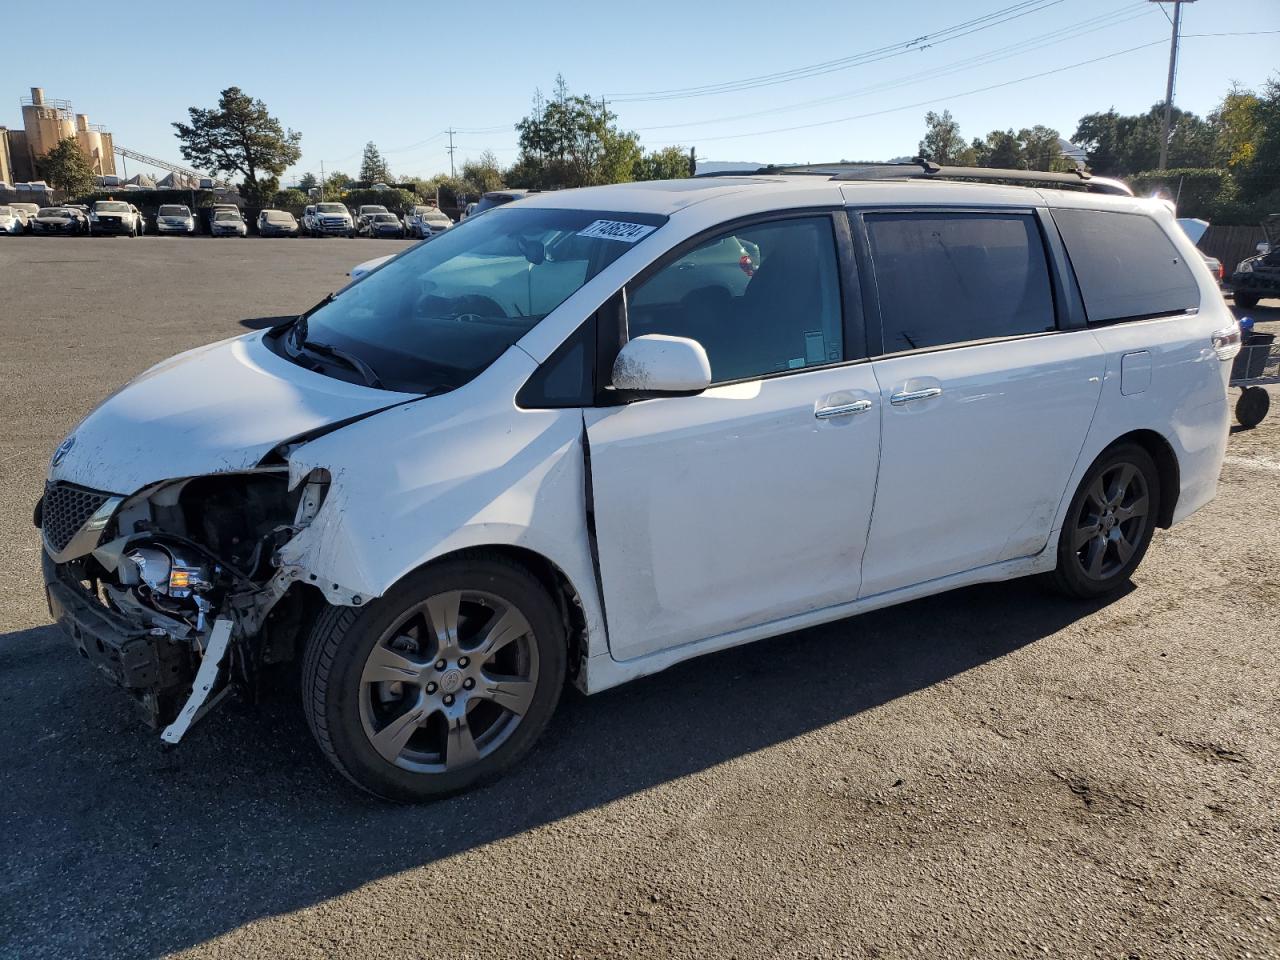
point(178, 592)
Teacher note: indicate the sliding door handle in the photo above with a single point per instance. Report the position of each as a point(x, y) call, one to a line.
point(842, 409)
point(898, 399)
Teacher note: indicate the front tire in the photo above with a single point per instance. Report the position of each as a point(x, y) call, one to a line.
point(1109, 523)
point(441, 684)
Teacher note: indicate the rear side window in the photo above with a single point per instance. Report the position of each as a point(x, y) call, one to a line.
point(946, 278)
point(1126, 266)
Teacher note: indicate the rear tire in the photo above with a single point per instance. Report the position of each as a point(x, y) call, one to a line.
point(1109, 523)
point(434, 731)
point(1252, 406)
point(1246, 301)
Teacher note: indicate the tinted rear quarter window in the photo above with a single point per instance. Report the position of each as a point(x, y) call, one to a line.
point(945, 278)
point(1126, 266)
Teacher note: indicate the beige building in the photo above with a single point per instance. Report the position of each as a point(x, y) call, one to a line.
point(44, 122)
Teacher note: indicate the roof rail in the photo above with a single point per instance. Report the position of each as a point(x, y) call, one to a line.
point(921, 169)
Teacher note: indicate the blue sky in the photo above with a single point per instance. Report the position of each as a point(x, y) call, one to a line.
point(400, 73)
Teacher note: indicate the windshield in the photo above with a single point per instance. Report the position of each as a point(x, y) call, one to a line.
point(53, 212)
point(111, 206)
point(435, 317)
point(386, 218)
point(171, 211)
point(368, 210)
point(331, 208)
point(6, 211)
point(278, 216)
point(225, 215)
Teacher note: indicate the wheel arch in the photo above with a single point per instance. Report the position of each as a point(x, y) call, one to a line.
point(550, 575)
point(1166, 462)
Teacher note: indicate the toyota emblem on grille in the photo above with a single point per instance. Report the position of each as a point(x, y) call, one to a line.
point(63, 449)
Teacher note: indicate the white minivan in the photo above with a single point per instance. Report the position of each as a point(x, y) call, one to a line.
point(595, 433)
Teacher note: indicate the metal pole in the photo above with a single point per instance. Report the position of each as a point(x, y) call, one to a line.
point(1168, 90)
point(451, 172)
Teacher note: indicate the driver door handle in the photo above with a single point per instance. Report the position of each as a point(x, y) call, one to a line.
point(898, 399)
point(842, 409)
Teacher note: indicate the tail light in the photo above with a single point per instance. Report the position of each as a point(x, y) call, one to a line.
point(1226, 342)
point(1222, 272)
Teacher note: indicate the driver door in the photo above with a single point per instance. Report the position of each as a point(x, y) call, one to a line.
point(750, 502)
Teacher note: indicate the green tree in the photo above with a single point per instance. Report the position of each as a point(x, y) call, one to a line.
point(373, 167)
point(291, 199)
point(240, 136)
point(669, 163)
point(942, 141)
point(307, 182)
point(66, 168)
point(572, 141)
point(335, 185)
point(482, 175)
point(1000, 148)
point(1259, 174)
point(1119, 145)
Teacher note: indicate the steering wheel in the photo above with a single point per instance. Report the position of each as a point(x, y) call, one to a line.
point(477, 305)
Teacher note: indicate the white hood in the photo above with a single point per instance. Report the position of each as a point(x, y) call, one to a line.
point(214, 409)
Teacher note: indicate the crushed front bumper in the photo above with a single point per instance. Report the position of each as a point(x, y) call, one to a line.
point(155, 667)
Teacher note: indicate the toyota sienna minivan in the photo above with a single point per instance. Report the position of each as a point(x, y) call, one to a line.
point(592, 434)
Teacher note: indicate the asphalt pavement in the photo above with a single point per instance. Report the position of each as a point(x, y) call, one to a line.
point(996, 772)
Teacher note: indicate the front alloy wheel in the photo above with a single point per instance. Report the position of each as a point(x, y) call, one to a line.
point(440, 684)
point(1109, 523)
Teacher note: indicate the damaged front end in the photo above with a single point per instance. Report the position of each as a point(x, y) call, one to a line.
point(177, 592)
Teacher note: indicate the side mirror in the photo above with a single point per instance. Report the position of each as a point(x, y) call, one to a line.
point(656, 365)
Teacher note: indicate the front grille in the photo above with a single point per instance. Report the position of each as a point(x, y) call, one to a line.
point(67, 508)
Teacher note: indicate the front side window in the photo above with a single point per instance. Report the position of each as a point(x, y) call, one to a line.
point(1126, 266)
point(761, 299)
point(436, 316)
point(946, 278)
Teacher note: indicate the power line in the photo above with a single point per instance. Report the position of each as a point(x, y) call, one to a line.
point(940, 99)
point(900, 48)
point(1052, 38)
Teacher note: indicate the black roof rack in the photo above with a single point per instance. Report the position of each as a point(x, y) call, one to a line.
point(921, 169)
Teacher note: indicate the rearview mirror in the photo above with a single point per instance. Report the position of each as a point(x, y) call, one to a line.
point(657, 365)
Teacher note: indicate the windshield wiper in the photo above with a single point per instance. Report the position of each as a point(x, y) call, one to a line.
point(370, 376)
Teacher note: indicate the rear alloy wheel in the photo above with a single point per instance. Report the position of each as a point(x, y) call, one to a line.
point(441, 684)
point(1109, 524)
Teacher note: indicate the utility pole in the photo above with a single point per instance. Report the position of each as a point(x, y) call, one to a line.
point(322, 180)
point(1173, 72)
point(451, 149)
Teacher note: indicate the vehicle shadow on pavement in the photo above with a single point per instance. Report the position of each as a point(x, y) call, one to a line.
point(115, 847)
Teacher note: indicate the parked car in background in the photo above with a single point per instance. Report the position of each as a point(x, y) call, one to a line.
point(309, 220)
point(426, 221)
point(384, 226)
point(365, 214)
point(56, 220)
point(1258, 277)
point(26, 212)
point(228, 223)
point(175, 218)
point(81, 212)
point(114, 218)
point(10, 221)
point(333, 220)
point(467, 211)
point(277, 223)
point(514, 456)
point(496, 198)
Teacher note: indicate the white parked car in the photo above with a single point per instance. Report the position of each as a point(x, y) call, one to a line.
point(309, 220)
point(426, 221)
point(333, 219)
point(360, 269)
point(175, 218)
point(114, 217)
point(11, 220)
point(365, 214)
point(228, 223)
point(26, 213)
point(521, 453)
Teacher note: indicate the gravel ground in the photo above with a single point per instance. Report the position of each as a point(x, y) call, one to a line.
point(991, 773)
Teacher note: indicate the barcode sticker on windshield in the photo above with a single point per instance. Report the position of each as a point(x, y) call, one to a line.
point(617, 230)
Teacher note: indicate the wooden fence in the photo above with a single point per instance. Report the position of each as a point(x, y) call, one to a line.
point(1231, 244)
